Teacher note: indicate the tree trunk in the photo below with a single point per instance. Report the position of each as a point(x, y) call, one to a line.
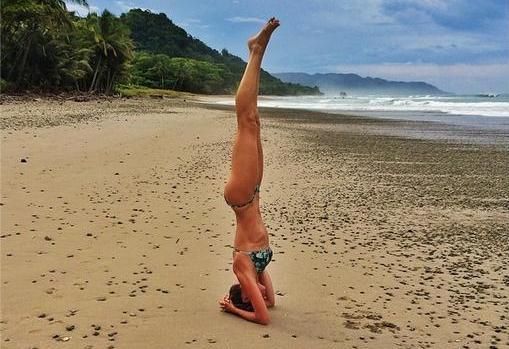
point(23, 61)
point(95, 74)
point(106, 88)
point(18, 54)
point(110, 86)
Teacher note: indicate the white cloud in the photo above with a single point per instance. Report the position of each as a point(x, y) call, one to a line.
point(443, 39)
point(193, 23)
point(440, 4)
point(80, 9)
point(246, 20)
point(348, 14)
point(124, 6)
point(366, 12)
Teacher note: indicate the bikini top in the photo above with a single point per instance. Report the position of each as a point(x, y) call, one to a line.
point(257, 190)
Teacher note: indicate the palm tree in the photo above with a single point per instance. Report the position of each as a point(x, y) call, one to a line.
point(27, 27)
point(113, 50)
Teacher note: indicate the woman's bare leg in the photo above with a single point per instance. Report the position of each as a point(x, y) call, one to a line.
point(247, 157)
point(260, 156)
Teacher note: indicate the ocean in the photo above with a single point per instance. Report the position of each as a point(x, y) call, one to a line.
point(483, 119)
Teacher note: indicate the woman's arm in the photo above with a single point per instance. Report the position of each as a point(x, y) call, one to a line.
point(227, 306)
point(251, 289)
point(266, 281)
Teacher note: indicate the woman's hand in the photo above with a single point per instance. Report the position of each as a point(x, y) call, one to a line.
point(226, 305)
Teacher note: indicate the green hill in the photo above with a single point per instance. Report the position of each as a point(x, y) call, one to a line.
point(168, 57)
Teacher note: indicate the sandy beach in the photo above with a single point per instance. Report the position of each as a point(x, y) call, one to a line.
point(115, 234)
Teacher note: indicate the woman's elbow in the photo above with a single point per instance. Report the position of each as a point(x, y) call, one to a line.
point(263, 320)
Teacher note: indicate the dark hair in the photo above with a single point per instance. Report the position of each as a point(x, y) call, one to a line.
point(236, 298)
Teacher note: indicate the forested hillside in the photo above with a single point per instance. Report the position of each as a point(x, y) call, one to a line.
point(49, 49)
point(160, 41)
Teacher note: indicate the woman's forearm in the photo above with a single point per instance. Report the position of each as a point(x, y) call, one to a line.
point(269, 303)
point(250, 316)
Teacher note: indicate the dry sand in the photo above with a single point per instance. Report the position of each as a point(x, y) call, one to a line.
point(114, 233)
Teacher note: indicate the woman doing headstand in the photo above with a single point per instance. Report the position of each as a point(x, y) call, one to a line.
point(254, 293)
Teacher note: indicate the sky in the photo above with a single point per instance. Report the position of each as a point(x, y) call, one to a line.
point(459, 46)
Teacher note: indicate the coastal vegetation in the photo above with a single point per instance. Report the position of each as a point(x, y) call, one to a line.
point(47, 48)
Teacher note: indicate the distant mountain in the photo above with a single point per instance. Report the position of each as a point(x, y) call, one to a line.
point(355, 84)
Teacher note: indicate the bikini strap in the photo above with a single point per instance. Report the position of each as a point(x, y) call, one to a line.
point(257, 190)
point(235, 249)
point(247, 253)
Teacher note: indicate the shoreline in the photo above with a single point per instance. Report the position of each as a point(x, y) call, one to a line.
point(424, 129)
point(116, 221)
point(413, 129)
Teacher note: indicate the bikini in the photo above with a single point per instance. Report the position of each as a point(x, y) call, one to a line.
point(260, 258)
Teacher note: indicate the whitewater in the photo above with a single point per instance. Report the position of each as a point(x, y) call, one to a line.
point(466, 110)
point(456, 105)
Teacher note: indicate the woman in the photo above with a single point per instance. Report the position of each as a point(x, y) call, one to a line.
point(254, 294)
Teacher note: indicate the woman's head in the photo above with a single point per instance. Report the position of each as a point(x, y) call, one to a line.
point(236, 297)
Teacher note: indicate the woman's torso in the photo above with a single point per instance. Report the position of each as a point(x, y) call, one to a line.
point(251, 233)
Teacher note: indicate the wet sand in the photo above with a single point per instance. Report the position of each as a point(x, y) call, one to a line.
point(115, 233)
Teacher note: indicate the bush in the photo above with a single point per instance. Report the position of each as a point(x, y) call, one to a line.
point(4, 85)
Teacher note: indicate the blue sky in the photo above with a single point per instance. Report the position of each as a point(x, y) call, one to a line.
point(459, 45)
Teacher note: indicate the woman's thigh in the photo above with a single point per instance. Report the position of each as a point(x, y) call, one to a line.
point(245, 172)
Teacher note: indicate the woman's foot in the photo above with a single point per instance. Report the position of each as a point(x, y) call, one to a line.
point(259, 42)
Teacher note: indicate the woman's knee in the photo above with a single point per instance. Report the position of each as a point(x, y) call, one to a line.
point(236, 192)
point(246, 110)
point(249, 120)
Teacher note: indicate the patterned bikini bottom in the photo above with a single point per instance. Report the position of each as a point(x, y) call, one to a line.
point(260, 258)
